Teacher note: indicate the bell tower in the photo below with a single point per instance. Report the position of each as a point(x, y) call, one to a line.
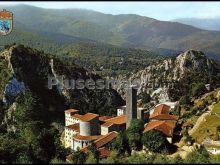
point(131, 104)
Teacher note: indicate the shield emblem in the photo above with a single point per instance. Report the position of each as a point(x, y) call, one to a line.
point(6, 22)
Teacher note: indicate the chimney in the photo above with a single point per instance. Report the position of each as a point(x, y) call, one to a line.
point(131, 104)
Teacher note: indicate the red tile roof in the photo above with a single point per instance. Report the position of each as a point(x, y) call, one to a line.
point(164, 117)
point(74, 127)
point(106, 139)
point(117, 120)
point(161, 109)
point(88, 117)
point(107, 124)
point(152, 124)
point(165, 127)
point(102, 140)
point(103, 118)
point(89, 138)
point(77, 116)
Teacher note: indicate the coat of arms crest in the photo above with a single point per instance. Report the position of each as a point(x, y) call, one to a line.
point(6, 22)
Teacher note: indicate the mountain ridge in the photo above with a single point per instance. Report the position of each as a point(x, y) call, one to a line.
point(202, 23)
point(122, 30)
point(176, 76)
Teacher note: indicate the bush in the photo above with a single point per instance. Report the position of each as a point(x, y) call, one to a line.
point(185, 100)
point(198, 89)
point(113, 158)
point(154, 140)
point(137, 159)
point(200, 156)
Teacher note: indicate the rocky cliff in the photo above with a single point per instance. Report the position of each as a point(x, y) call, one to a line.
point(24, 69)
point(188, 67)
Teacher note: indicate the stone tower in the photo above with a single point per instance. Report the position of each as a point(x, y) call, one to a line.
point(131, 104)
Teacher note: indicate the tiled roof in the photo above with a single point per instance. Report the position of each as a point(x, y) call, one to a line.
point(161, 109)
point(102, 140)
point(71, 110)
point(74, 127)
point(117, 120)
point(164, 117)
point(88, 117)
point(105, 139)
point(151, 125)
point(77, 116)
point(89, 138)
point(103, 118)
point(165, 127)
point(107, 124)
point(171, 123)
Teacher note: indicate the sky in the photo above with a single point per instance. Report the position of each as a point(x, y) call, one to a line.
point(158, 10)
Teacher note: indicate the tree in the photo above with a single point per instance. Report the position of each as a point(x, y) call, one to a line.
point(61, 152)
point(198, 89)
point(134, 134)
point(96, 154)
point(10, 149)
point(121, 144)
point(113, 158)
point(145, 97)
point(185, 100)
point(23, 159)
point(78, 157)
point(34, 140)
point(91, 159)
point(43, 147)
point(154, 140)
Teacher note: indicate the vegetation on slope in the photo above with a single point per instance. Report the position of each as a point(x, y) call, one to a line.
point(123, 30)
point(108, 60)
point(34, 140)
point(209, 127)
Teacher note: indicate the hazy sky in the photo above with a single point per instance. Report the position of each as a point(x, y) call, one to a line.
point(158, 10)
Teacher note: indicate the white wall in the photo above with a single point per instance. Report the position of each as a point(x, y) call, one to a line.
point(104, 130)
point(69, 120)
point(68, 138)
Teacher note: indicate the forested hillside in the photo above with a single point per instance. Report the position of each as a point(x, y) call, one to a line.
point(127, 30)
